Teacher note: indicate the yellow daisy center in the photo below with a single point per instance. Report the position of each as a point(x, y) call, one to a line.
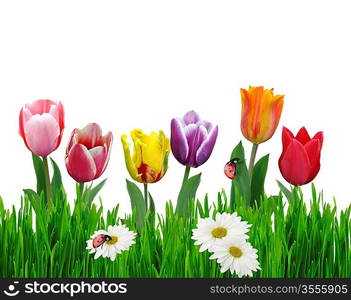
point(235, 252)
point(112, 241)
point(219, 232)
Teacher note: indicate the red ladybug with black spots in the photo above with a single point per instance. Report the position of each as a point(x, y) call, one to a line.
point(100, 239)
point(230, 168)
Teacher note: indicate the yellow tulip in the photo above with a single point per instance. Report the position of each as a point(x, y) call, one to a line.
point(149, 161)
point(260, 113)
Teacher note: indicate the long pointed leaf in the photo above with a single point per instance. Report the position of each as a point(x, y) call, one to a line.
point(186, 194)
point(241, 182)
point(258, 179)
point(56, 181)
point(138, 203)
point(288, 194)
point(92, 192)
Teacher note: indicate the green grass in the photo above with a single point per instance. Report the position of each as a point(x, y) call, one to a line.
point(292, 241)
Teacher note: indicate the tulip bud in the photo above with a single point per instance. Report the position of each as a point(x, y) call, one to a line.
point(260, 113)
point(192, 139)
point(88, 153)
point(299, 162)
point(41, 126)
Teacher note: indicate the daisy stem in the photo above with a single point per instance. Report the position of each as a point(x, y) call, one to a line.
point(252, 159)
point(186, 174)
point(146, 195)
point(48, 188)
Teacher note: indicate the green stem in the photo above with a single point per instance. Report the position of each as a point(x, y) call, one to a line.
point(81, 188)
point(186, 174)
point(146, 196)
point(48, 188)
point(252, 159)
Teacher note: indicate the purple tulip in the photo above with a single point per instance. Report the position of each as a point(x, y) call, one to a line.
point(192, 139)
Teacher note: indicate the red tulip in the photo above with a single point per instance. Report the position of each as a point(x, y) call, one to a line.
point(41, 126)
point(88, 153)
point(300, 160)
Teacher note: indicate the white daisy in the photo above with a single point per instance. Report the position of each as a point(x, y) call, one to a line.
point(209, 231)
point(118, 238)
point(236, 255)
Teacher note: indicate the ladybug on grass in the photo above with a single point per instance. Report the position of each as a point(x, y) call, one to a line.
point(230, 168)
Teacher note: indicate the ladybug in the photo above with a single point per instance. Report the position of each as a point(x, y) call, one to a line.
point(231, 167)
point(100, 239)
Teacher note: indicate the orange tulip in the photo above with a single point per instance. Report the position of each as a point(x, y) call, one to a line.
point(260, 113)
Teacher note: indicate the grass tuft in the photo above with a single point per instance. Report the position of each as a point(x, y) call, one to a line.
point(292, 241)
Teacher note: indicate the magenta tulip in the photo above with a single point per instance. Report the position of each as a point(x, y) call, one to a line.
point(88, 153)
point(41, 126)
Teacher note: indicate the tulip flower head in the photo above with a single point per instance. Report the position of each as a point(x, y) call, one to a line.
point(88, 153)
point(299, 162)
point(192, 139)
point(41, 126)
point(149, 161)
point(260, 113)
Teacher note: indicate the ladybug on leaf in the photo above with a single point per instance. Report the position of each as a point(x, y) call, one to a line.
point(230, 168)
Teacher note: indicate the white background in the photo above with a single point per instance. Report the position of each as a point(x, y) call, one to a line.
point(127, 64)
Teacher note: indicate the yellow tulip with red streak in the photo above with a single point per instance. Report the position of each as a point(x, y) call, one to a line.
point(149, 161)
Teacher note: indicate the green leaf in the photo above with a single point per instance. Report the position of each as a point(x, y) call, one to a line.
point(285, 190)
point(152, 203)
point(92, 192)
point(39, 172)
point(187, 193)
point(34, 199)
point(56, 182)
point(138, 203)
point(241, 182)
point(258, 178)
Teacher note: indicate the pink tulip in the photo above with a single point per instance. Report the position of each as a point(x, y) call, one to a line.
point(41, 126)
point(88, 153)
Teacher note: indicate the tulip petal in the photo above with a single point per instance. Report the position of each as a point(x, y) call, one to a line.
point(270, 117)
point(128, 159)
point(190, 133)
point(320, 136)
point(207, 124)
point(108, 139)
point(54, 112)
point(205, 150)
point(191, 117)
point(80, 164)
point(61, 113)
point(313, 149)
point(57, 112)
point(179, 143)
point(196, 135)
point(302, 136)
point(90, 136)
point(74, 138)
point(24, 116)
point(287, 136)
point(245, 109)
point(99, 155)
point(294, 164)
point(41, 133)
point(40, 106)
